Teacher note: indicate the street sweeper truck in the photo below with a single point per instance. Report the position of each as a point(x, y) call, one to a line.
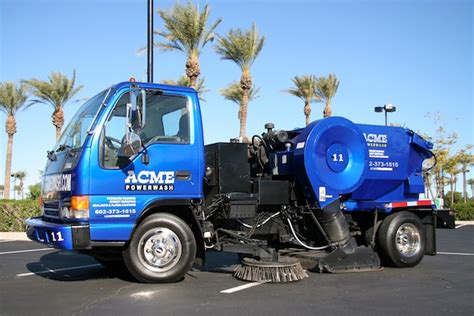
point(131, 179)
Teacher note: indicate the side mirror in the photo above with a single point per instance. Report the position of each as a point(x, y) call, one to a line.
point(136, 110)
point(131, 144)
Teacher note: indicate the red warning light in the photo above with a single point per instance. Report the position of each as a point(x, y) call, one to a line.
point(132, 79)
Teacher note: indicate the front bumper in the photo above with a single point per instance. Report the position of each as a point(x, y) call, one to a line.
point(62, 236)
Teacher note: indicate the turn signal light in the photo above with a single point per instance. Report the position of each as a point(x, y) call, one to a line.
point(80, 202)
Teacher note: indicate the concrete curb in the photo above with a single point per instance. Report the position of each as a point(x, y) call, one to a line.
point(21, 236)
point(13, 236)
point(464, 222)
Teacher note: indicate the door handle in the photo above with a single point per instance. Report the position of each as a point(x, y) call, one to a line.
point(183, 175)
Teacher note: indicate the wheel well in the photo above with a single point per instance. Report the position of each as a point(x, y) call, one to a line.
point(184, 212)
point(428, 220)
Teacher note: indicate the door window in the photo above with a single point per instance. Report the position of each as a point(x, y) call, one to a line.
point(167, 121)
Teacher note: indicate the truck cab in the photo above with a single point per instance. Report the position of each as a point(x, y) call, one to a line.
point(130, 150)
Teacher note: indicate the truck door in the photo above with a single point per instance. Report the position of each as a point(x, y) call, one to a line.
point(168, 168)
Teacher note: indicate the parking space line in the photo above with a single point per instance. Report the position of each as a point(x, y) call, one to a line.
point(22, 251)
point(59, 270)
point(455, 253)
point(461, 225)
point(241, 287)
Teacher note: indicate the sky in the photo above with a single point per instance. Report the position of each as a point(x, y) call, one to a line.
point(416, 55)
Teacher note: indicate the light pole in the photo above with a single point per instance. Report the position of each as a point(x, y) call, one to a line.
point(386, 108)
point(149, 46)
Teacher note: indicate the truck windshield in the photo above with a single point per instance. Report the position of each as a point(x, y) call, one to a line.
point(76, 131)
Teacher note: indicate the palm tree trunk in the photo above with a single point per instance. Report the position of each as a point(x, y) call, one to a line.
point(58, 132)
point(8, 167)
point(464, 184)
point(193, 70)
point(243, 114)
point(58, 120)
point(452, 191)
point(327, 109)
point(307, 112)
point(246, 85)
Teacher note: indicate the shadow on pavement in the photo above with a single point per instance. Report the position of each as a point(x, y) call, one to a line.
point(67, 266)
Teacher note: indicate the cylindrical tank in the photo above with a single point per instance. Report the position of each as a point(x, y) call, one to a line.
point(334, 157)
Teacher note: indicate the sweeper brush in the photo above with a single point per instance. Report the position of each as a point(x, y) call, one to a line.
point(282, 271)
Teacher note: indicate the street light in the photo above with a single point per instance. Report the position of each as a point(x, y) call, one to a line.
point(386, 108)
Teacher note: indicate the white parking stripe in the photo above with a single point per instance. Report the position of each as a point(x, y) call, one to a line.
point(461, 225)
point(241, 287)
point(455, 253)
point(59, 270)
point(22, 251)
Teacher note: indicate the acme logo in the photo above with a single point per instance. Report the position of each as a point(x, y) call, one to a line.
point(376, 138)
point(150, 177)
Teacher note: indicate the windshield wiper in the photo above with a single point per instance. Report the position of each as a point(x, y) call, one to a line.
point(63, 147)
point(51, 155)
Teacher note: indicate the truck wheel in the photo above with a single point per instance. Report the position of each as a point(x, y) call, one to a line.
point(162, 249)
point(401, 239)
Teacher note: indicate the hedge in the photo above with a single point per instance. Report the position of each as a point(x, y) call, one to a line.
point(13, 214)
point(464, 212)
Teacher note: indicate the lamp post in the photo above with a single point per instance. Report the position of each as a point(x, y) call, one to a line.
point(386, 108)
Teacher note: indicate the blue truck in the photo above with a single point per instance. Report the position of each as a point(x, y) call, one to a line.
point(130, 179)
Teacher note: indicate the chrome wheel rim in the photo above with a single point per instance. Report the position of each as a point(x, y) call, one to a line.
point(408, 240)
point(160, 249)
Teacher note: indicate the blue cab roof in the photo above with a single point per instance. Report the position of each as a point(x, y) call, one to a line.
point(147, 85)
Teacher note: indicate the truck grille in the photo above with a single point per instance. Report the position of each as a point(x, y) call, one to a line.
point(51, 212)
point(52, 208)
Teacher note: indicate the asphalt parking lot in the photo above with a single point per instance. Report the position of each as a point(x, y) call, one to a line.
point(41, 281)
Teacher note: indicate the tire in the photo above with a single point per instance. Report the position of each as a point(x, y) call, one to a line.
point(162, 249)
point(401, 240)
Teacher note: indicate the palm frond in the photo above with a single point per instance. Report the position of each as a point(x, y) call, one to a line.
point(186, 28)
point(185, 82)
point(304, 88)
point(241, 47)
point(327, 87)
point(57, 91)
point(12, 97)
point(233, 92)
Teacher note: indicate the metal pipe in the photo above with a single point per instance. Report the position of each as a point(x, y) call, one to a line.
point(150, 42)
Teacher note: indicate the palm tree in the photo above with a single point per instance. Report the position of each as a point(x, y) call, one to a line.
point(326, 89)
point(21, 175)
point(56, 92)
point(242, 48)
point(305, 89)
point(186, 32)
point(12, 99)
point(465, 159)
point(234, 93)
point(185, 82)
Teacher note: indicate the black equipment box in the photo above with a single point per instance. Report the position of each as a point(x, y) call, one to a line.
point(227, 168)
point(272, 192)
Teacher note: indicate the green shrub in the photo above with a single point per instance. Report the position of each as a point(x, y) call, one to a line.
point(13, 214)
point(464, 211)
